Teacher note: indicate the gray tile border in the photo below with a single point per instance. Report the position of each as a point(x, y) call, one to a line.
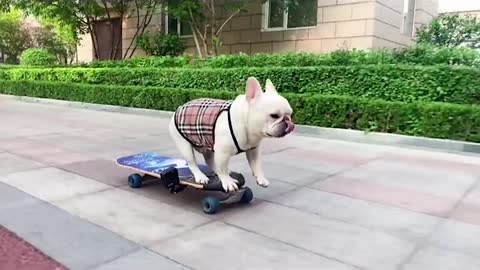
point(434, 258)
point(395, 221)
point(349, 243)
point(458, 236)
point(144, 260)
point(13, 163)
point(74, 242)
point(221, 246)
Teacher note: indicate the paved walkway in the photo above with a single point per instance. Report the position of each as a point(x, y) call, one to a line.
point(331, 204)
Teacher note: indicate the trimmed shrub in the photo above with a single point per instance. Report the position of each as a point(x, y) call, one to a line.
point(142, 61)
point(161, 44)
point(37, 57)
point(418, 55)
point(435, 120)
point(387, 82)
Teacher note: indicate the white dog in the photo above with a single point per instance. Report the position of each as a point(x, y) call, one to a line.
point(220, 129)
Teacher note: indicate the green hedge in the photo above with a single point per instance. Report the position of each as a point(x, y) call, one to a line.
point(142, 61)
point(436, 120)
point(418, 55)
point(37, 57)
point(388, 82)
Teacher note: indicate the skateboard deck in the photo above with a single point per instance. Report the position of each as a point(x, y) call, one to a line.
point(176, 175)
point(153, 164)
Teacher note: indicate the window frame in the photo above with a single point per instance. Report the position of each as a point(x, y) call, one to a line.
point(266, 18)
point(179, 27)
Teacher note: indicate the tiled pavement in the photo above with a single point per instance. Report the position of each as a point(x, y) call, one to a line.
point(331, 204)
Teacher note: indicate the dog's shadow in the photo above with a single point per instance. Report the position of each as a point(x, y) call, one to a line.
point(189, 199)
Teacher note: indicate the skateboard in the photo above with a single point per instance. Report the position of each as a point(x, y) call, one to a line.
point(176, 176)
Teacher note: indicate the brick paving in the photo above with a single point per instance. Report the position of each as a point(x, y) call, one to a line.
point(17, 254)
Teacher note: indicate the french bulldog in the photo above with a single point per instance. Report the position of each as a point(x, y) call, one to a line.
point(221, 129)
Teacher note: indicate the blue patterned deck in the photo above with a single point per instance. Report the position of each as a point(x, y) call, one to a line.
point(154, 163)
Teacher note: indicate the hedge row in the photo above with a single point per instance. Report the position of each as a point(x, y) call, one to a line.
point(388, 82)
point(436, 120)
point(418, 55)
point(164, 62)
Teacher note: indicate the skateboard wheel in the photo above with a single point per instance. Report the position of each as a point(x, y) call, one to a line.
point(135, 180)
point(210, 205)
point(247, 196)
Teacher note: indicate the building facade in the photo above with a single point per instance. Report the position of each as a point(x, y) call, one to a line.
point(314, 26)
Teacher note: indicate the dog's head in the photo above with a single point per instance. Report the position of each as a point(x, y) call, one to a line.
point(269, 113)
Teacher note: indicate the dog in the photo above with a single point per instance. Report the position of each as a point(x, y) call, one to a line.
point(220, 129)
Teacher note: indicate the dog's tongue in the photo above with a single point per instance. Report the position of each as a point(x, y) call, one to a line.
point(290, 127)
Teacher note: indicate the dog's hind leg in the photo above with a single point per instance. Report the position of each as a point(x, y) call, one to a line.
point(186, 150)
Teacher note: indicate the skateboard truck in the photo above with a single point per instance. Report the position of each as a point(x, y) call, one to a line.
point(171, 180)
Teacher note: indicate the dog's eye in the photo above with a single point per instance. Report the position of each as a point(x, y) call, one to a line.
point(275, 116)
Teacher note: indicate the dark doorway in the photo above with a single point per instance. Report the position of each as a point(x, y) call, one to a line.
point(109, 39)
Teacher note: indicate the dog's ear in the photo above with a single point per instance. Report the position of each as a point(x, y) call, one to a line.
point(254, 89)
point(269, 88)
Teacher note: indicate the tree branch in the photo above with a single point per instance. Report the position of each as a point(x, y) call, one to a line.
point(226, 21)
point(147, 19)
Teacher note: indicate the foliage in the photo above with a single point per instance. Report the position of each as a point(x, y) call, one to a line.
point(436, 120)
point(457, 84)
point(141, 61)
point(51, 38)
point(204, 19)
point(14, 37)
point(37, 57)
point(418, 55)
point(81, 16)
point(5, 5)
point(451, 31)
point(59, 39)
point(161, 44)
point(209, 18)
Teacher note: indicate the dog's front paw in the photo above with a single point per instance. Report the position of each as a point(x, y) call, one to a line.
point(263, 182)
point(229, 184)
point(201, 179)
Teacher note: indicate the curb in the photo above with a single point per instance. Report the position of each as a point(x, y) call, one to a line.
point(320, 132)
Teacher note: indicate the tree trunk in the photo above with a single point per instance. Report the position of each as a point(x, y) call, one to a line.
point(93, 36)
point(141, 27)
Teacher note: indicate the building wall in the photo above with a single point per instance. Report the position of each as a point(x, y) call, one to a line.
point(386, 27)
point(389, 20)
point(342, 25)
point(360, 24)
point(425, 11)
point(85, 51)
point(475, 13)
point(130, 27)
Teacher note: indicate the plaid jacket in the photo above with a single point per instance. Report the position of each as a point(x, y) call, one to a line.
point(196, 120)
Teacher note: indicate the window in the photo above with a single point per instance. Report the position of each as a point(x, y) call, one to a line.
point(280, 15)
point(408, 17)
point(173, 25)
